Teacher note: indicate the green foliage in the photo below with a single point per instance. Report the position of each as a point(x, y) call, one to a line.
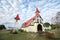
point(21, 36)
point(2, 27)
point(5, 35)
point(21, 30)
point(55, 26)
point(46, 24)
point(57, 33)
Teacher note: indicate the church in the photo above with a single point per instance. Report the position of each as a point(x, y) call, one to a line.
point(34, 24)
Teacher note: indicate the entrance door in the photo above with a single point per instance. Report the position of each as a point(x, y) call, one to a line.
point(39, 27)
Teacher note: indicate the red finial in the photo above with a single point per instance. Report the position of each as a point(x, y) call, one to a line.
point(17, 17)
point(37, 10)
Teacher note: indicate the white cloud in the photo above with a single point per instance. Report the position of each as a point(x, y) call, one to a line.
point(57, 7)
point(48, 10)
point(22, 6)
point(20, 1)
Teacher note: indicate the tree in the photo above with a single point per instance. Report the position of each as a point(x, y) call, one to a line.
point(46, 24)
point(55, 26)
point(2, 27)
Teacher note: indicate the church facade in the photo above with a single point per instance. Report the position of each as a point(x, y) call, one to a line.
point(34, 24)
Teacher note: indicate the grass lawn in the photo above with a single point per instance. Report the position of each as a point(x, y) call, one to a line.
point(6, 35)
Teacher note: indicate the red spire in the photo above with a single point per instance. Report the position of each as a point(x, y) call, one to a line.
point(17, 17)
point(37, 11)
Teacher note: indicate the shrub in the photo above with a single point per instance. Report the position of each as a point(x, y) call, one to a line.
point(55, 26)
point(21, 30)
point(46, 24)
point(2, 27)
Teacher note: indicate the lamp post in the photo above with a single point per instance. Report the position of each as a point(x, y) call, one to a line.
point(14, 30)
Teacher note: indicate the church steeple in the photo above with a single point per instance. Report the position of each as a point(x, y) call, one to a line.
point(37, 12)
point(38, 15)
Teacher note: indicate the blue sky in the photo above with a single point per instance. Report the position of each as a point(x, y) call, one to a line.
point(26, 9)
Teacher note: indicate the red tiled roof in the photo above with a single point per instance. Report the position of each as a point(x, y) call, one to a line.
point(25, 24)
point(29, 21)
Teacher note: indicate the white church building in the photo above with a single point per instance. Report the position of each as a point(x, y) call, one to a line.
point(34, 24)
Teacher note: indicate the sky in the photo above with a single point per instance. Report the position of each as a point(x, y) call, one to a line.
point(26, 9)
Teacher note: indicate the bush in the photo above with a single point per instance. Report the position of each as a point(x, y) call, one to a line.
point(55, 26)
point(2, 27)
point(21, 30)
point(46, 24)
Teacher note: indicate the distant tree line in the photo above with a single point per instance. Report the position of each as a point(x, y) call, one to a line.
point(55, 26)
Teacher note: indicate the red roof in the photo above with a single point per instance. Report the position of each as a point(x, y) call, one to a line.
point(25, 24)
point(28, 21)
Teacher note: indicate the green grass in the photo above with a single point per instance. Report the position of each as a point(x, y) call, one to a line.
point(6, 35)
